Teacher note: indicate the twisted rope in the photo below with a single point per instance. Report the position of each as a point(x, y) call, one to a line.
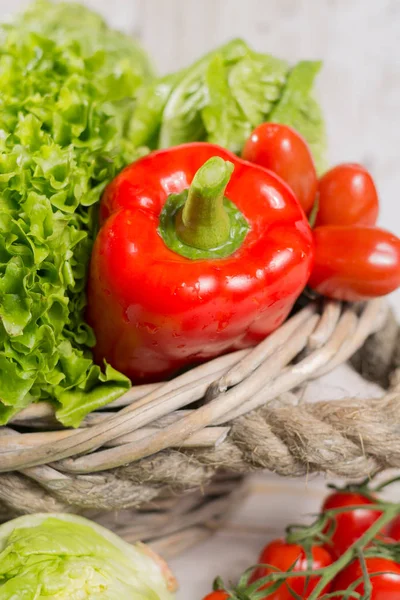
point(350, 438)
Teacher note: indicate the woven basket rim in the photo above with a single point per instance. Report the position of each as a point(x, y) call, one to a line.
point(152, 418)
point(173, 454)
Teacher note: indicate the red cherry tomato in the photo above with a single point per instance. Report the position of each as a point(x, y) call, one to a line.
point(283, 151)
point(385, 586)
point(347, 196)
point(394, 529)
point(283, 556)
point(350, 525)
point(355, 263)
point(219, 595)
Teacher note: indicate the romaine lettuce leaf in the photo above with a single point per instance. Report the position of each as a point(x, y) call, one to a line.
point(146, 118)
point(256, 83)
point(68, 86)
point(240, 97)
point(223, 118)
point(181, 120)
point(298, 108)
point(225, 95)
point(66, 557)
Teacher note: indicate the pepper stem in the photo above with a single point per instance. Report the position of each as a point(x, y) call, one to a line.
point(203, 222)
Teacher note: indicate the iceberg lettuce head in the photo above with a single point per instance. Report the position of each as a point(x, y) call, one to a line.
point(68, 557)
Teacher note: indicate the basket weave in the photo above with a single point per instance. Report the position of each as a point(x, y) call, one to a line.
point(174, 454)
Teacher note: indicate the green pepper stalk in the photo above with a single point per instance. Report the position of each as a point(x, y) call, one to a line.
point(203, 222)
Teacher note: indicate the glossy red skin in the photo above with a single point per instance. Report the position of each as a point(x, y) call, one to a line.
point(219, 595)
point(282, 556)
point(355, 263)
point(347, 196)
point(394, 529)
point(154, 311)
point(282, 150)
point(351, 525)
point(384, 587)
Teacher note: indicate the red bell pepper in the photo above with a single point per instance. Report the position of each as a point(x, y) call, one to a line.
point(199, 253)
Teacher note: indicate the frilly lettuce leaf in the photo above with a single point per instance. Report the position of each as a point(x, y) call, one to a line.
point(66, 557)
point(68, 86)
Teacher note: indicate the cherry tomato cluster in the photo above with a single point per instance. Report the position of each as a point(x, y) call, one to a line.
point(324, 559)
point(354, 259)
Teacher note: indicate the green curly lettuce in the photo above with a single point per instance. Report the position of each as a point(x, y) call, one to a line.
point(68, 86)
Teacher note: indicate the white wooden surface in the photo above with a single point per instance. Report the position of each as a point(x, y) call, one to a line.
point(360, 91)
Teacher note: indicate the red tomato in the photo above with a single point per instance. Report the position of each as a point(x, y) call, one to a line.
point(355, 263)
point(349, 525)
point(282, 556)
point(219, 595)
point(385, 586)
point(283, 151)
point(347, 196)
point(394, 529)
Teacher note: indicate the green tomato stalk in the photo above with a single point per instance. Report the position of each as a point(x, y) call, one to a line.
point(314, 534)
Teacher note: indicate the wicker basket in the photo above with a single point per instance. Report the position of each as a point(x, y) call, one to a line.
point(165, 463)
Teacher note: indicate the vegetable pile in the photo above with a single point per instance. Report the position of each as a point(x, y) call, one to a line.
point(210, 253)
point(78, 104)
point(351, 551)
point(66, 557)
